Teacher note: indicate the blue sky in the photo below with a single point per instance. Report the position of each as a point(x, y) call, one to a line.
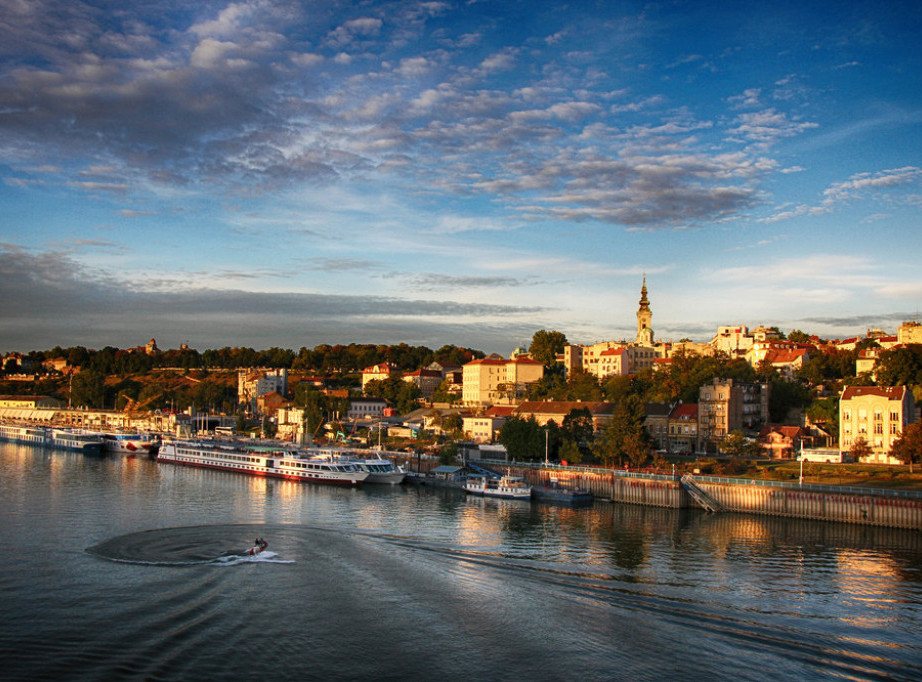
point(289, 174)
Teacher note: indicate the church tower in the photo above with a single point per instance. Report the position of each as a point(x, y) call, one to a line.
point(644, 318)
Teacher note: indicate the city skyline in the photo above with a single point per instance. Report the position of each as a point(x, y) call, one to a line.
point(289, 174)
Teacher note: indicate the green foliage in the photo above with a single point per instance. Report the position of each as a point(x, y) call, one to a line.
point(623, 435)
point(786, 396)
point(88, 389)
point(523, 439)
point(546, 345)
point(448, 453)
point(737, 446)
point(798, 336)
point(900, 366)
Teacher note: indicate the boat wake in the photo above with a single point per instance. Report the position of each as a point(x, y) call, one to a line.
point(192, 546)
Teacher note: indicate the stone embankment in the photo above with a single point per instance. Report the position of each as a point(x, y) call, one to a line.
point(867, 506)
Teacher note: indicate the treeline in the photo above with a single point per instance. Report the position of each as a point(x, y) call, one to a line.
point(323, 359)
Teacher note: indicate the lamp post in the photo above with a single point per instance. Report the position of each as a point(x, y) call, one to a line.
point(545, 443)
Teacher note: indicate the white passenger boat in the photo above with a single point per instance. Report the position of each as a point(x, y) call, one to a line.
point(134, 443)
point(27, 435)
point(79, 441)
point(511, 487)
point(290, 464)
point(381, 470)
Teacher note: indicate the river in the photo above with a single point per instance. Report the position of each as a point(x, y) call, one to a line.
point(123, 568)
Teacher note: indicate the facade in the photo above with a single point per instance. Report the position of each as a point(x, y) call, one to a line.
point(909, 332)
point(876, 414)
point(29, 402)
point(253, 385)
point(781, 442)
point(734, 341)
point(556, 410)
point(726, 405)
point(683, 428)
point(366, 408)
point(378, 372)
point(494, 380)
point(656, 423)
point(426, 380)
point(483, 428)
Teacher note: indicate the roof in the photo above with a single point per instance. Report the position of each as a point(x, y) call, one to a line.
point(500, 411)
point(888, 392)
point(657, 409)
point(563, 407)
point(446, 469)
point(685, 411)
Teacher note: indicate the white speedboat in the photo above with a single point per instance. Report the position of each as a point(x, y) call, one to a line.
point(510, 487)
point(254, 460)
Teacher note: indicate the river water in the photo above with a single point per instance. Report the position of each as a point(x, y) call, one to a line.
point(122, 568)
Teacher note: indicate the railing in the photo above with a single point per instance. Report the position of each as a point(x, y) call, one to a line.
point(808, 487)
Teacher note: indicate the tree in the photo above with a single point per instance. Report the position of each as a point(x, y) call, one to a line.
point(908, 447)
point(523, 438)
point(860, 449)
point(798, 336)
point(448, 453)
point(623, 435)
point(546, 345)
point(88, 389)
point(737, 446)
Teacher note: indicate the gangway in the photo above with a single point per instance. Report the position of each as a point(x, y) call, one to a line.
point(481, 470)
point(701, 497)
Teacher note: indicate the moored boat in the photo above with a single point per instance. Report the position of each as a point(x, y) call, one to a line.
point(26, 435)
point(79, 441)
point(133, 443)
point(290, 464)
point(555, 492)
point(509, 487)
point(381, 470)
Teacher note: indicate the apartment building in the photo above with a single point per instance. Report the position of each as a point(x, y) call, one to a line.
point(876, 414)
point(726, 405)
point(494, 380)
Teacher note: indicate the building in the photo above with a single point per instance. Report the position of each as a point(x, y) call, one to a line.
point(252, 385)
point(734, 341)
point(29, 402)
point(726, 405)
point(545, 411)
point(426, 380)
point(656, 423)
point(781, 442)
point(378, 372)
point(644, 318)
point(683, 428)
point(878, 415)
point(494, 380)
point(909, 332)
point(366, 408)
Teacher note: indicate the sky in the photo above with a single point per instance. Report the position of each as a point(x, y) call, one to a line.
point(288, 174)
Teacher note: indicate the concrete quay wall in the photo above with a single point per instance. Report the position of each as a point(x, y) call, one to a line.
point(871, 508)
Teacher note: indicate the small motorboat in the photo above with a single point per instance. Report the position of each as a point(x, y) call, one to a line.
point(258, 547)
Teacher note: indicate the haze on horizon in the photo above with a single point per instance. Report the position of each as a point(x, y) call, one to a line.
point(285, 174)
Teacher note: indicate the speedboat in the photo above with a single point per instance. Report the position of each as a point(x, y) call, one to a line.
point(258, 547)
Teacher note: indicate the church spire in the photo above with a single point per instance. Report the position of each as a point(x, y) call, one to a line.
point(644, 301)
point(644, 318)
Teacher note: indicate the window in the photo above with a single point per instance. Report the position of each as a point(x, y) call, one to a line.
point(894, 416)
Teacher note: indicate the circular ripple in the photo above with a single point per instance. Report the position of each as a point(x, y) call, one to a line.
point(189, 546)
